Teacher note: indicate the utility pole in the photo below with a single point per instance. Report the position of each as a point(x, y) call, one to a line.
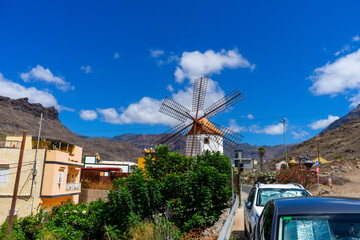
point(33, 187)
point(17, 180)
point(286, 160)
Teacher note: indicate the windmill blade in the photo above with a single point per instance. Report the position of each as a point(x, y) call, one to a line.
point(172, 135)
point(227, 138)
point(229, 100)
point(193, 145)
point(200, 86)
point(175, 110)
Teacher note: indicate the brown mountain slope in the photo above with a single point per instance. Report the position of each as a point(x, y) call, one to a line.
point(18, 115)
point(342, 143)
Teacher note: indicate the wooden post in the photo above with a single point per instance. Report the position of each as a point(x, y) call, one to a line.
point(17, 180)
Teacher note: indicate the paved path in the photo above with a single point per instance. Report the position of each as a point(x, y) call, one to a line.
point(238, 228)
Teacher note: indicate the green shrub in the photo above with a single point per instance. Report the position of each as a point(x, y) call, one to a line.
point(338, 156)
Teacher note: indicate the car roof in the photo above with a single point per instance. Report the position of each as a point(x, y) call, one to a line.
point(282, 186)
point(316, 205)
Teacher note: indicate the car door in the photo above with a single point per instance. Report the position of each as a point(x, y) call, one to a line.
point(248, 212)
point(266, 222)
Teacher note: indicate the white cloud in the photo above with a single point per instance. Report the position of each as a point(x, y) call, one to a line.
point(274, 129)
point(88, 115)
point(39, 73)
point(356, 38)
point(15, 91)
point(87, 69)
point(155, 53)
point(170, 88)
point(299, 135)
point(249, 116)
point(146, 111)
point(196, 64)
point(116, 55)
point(355, 100)
point(235, 127)
point(323, 123)
point(63, 108)
point(337, 77)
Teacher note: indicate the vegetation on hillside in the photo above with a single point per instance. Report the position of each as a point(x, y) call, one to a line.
point(173, 195)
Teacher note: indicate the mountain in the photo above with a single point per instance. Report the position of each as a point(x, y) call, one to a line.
point(146, 141)
point(341, 143)
point(18, 115)
point(354, 114)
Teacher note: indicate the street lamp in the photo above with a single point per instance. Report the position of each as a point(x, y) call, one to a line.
point(283, 122)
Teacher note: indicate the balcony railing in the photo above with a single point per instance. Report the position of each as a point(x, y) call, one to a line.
point(73, 186)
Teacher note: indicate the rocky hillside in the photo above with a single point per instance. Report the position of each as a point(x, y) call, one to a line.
point(18, 115)
point(342, 143)
point(354, 114)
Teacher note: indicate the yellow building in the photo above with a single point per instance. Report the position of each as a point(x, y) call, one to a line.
point(141, 160)
point(57, 177)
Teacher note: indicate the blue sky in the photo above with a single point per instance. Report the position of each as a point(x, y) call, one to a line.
point(107, 66)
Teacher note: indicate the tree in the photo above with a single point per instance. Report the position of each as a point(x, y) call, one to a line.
point(261, 153)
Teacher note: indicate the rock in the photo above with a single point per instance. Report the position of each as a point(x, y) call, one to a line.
point(342, 169)
point(324, 191)
point(358, 166)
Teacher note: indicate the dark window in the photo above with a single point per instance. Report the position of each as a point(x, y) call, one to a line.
point(206, 140)
point(251, 195)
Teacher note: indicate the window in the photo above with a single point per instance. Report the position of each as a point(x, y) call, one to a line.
point(206, 140)
point(251, 195)
point(4, 172)
point(60, 177)
point(266, 222)
point(266, 194)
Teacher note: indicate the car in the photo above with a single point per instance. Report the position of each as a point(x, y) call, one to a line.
point(260, 194)
point(310, 218)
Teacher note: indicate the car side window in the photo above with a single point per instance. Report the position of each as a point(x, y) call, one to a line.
point(251, 195)
point(266, 222)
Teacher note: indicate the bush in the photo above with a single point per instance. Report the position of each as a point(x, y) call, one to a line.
point(295, 175)
point(338, 156)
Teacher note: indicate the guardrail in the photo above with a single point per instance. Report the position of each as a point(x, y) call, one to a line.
point(229, 223)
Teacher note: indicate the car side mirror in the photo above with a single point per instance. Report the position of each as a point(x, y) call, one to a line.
point(248, 204)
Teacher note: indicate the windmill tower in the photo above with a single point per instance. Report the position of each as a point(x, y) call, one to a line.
point(200, 133)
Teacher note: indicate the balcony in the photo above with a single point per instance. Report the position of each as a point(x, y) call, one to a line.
point(73, 186)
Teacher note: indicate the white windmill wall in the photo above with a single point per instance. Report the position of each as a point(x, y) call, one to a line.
point(212, 145)
point(201, 144)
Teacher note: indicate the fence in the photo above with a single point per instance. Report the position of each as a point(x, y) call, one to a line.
point(229, 223)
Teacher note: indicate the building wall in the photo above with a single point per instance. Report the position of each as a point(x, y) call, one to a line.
point(16, 140)
point(201, 146)
point(25, 202)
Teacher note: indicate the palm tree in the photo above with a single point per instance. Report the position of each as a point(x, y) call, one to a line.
point(261, 153)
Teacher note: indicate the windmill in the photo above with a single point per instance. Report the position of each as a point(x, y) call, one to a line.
point(200, 133)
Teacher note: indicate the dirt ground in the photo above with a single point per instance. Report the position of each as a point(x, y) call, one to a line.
point(345, 175)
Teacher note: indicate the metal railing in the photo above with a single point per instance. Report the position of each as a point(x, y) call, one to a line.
point(73, 186)
point(229, 223)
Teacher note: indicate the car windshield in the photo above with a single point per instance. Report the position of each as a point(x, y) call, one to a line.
point(333, 226)
point(266, 194)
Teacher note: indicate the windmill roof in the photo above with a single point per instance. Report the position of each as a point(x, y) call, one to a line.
point(209, 129)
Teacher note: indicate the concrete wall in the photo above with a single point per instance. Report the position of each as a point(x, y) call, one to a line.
point(88, 195)
point(25, 202)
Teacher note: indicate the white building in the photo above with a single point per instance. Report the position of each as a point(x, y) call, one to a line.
point(205, 138)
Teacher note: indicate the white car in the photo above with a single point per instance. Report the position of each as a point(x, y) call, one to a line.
point(261, 194)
